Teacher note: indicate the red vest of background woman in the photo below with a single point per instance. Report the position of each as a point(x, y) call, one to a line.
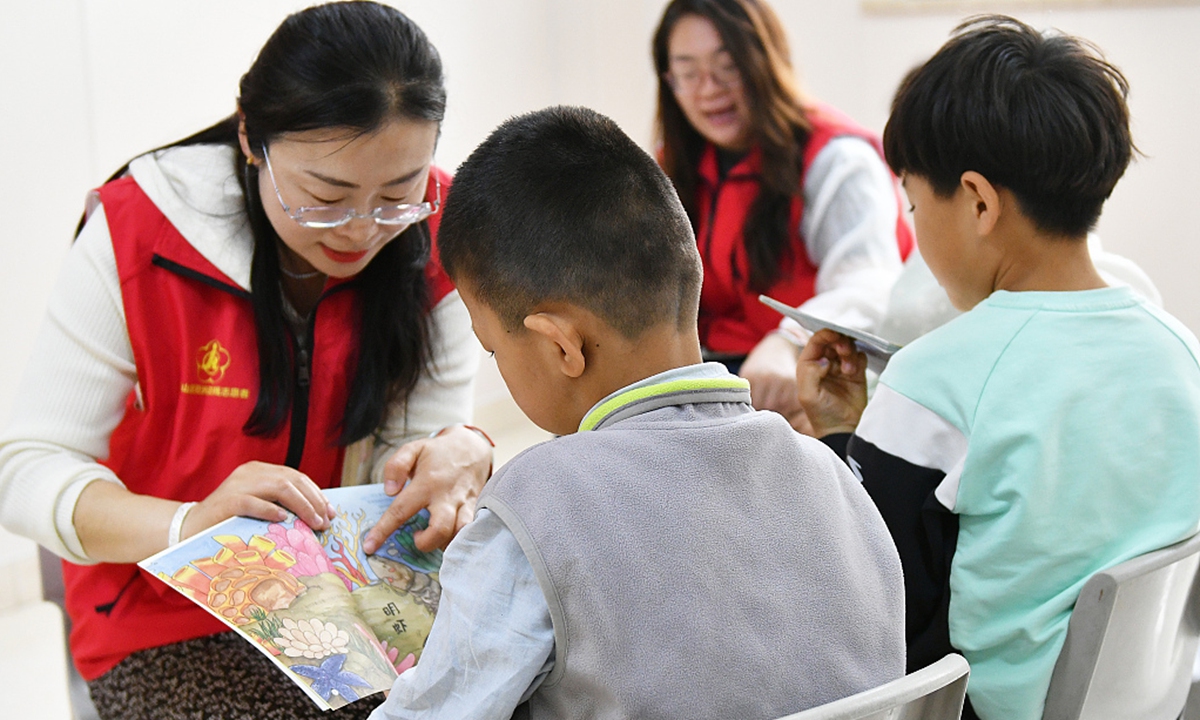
point(732, 320)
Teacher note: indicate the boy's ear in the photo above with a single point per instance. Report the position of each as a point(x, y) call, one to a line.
point(565, 338)
point(984, 199)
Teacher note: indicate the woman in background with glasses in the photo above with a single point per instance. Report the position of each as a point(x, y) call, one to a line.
point(249, 315)
point(788, 197)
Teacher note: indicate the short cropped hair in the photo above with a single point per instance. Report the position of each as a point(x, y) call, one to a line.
point(561, 205)
point(1042, 115)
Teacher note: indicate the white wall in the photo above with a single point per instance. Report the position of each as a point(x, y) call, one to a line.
point(86, 84)
point(44, 153)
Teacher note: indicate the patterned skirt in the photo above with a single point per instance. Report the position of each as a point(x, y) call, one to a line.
point(219, 677)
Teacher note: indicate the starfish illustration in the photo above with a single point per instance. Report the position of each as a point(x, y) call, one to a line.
point(329, 678)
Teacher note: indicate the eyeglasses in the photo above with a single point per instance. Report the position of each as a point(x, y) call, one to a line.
point(326, 216)
point(690, 79)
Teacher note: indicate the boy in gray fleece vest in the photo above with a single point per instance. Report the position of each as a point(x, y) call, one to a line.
point(675, 553)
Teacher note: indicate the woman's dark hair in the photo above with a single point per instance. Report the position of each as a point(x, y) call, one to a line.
point(1042, 115)
point(755, 40)
point(351, 65)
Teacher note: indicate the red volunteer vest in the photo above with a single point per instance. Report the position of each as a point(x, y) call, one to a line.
point(732, 320)
point(194, 345)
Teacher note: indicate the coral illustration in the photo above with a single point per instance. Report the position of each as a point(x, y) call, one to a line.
point(241, 580)
point(341, 541)
point(410, 660)
point(302, 544)
point(312, 639)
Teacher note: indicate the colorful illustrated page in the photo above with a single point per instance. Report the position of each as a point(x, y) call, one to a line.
point(340, 623)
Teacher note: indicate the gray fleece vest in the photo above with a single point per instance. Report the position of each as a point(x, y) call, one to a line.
point(701, 560)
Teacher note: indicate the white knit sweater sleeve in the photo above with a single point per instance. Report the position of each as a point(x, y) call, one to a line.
point(849, 227)
point(70, 400)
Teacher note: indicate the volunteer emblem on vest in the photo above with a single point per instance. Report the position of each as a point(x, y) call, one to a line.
point(211, 362)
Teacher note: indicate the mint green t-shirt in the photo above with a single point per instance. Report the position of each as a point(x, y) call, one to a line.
point(1068, 426)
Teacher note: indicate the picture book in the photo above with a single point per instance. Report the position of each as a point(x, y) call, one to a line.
point(877, 350)
point(339, 623)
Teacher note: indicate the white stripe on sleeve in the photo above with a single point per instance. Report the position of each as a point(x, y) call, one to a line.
point(912, 432)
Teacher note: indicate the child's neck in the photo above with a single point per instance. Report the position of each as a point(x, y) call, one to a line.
point(657, 351)
point(618, 362)
point(1040, 262)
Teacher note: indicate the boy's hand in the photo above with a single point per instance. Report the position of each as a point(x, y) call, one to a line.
point(831, 382)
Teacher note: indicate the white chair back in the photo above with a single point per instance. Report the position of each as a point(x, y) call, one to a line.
point(1131, 641)
point(931, 693)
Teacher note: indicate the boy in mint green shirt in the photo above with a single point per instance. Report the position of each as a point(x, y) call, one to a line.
point(1051, 431)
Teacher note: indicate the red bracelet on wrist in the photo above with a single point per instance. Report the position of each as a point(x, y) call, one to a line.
point(472, 428)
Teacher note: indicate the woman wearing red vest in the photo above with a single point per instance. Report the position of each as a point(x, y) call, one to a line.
point(788, 198)
point(248, 315)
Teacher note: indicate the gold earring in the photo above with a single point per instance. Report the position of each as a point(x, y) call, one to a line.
point(249, 159)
